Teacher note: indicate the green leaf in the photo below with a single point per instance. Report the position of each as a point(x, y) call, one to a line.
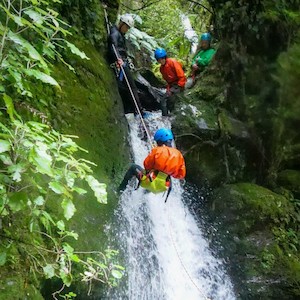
point(46, 220)
point(70, 178)
point(48, 217)
point(42, 161)
point(55, 23)
point(76, 51)
point(72, 234)
point(75, 258)
point(42, 76)
point(69, 208)
point(5, 158)
point(68, 249)
point(57, 187)
point(79, 190)
point(98, 188)
point(33, 53)
point(116, 274)
point(49, 271)
point(16, 171)
point(2, 259)
point(36, 17)
point(10, 107)
point(66, 277)
point(39, 201)
point(60, 225)
point(4, 146)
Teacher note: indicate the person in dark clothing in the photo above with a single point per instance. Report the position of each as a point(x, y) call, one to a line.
point(118, 56)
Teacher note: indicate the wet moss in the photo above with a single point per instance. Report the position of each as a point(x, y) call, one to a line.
point(89, 106)
point(242, 201)
point(15, 287)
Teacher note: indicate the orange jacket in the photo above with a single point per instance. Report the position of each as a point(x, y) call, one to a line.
point(166, 159)
point(173, 73)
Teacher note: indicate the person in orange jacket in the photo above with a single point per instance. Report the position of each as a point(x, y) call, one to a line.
point(173, 74)
point(161, 164)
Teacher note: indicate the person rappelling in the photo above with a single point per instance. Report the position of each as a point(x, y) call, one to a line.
point(118, 57)
point(162, 163)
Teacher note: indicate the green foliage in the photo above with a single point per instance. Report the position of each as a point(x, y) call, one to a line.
point(284, 14)
point(38, 165)
point(268, 260)
point(164, 23)
point(141, 41)
point(32, 149)
point(288, 78)
point(32, 35)
point(285, 138)
point(87, 17)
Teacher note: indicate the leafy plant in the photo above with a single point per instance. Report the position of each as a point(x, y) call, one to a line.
point(141, 41)
point(38, 166)
point(29, 150)
point(32, 35)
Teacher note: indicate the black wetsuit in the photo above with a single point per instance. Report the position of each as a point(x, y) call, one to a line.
point(117, 39)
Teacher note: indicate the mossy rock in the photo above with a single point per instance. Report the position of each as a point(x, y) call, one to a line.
point(16, 288)
point(240, 202)
point(203, 165)
point(232, 126)
point(90, 108)
point(196, 118)
point(16, 283)
point(207, 87)
point(245, 217)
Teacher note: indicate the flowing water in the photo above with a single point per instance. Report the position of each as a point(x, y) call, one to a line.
point(165, 252)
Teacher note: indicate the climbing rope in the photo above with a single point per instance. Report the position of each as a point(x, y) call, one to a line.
point(179, 258)
point(126, 79)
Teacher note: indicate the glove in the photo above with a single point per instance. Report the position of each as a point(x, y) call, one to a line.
point(120, 62)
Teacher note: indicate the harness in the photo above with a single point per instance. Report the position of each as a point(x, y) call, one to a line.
point(119, 73)
point(156, 182)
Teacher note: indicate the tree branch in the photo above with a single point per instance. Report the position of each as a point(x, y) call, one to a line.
point(203, 6)
point(141, 8)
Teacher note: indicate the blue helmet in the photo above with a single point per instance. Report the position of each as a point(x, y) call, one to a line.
point(163, 135)
point(206, 37)
point(160, 53)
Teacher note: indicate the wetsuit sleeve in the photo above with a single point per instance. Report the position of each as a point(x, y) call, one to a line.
point(113, 39)
point(180, 74)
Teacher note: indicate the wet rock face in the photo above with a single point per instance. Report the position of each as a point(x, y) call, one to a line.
point(240, 123)
point(217, 146)
point(243, 218)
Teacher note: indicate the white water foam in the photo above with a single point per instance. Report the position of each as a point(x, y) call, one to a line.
point(166, 255)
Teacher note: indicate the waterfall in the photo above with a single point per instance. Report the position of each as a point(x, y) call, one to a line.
point(189, 32)
point(166, 255)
